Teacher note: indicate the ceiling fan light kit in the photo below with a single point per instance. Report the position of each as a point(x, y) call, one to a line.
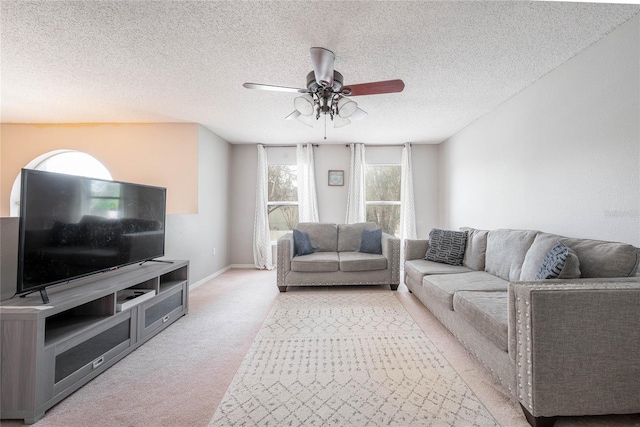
point(304, 105)
point(346, 107)
point(326, 95)
point(339, 122)
point(358, 114)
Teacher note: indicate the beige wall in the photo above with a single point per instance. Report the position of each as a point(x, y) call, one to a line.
point(202, 238)
point(165, 155)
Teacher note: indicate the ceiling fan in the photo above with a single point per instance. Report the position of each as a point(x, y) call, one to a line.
point(326, 95)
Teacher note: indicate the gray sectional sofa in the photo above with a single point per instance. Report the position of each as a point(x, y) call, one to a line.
point(337, 259)
point(563, 347)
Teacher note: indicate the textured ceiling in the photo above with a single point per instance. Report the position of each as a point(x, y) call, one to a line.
point(168, 61)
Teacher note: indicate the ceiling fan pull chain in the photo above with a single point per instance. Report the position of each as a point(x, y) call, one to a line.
point(325, 126)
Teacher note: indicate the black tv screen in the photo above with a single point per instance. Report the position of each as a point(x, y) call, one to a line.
point(73, 226)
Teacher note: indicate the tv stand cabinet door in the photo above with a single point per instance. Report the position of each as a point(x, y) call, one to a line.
point(75, 362)
point(161, 311)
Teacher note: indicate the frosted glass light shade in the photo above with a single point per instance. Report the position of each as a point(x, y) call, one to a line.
point(358, 114)
point(339, 122)
point(306, 120)
point(346, 107)
point(293, 115)
point(304, 104)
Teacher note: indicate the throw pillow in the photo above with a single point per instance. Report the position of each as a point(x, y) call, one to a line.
point(446, 246)
point(371, 241)
point(301, 243)
point(553, 262)
point(571, 268)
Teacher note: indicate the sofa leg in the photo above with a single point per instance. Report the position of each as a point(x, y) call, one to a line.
point(282, 288)
point(538, 421)
point(394, 287)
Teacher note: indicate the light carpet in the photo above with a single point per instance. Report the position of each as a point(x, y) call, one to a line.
point(346, 358)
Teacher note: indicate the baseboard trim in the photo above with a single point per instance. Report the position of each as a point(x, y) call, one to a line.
point(242, 266)
point(217, 273)
point(206, 279)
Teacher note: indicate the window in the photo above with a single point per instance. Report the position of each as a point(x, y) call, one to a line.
point(282, 204)
point(61, 161)
point(74, 163)
point(382, 192)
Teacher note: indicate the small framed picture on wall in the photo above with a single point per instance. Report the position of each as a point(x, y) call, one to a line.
point(336, 177)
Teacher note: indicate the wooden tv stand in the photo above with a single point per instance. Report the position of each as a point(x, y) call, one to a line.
point(51, 350)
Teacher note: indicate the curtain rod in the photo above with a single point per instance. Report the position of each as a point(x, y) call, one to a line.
point(317, 145)
point(285, 145)
point(382, 145)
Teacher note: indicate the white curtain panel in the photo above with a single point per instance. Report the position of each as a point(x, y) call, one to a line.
point(408, 210)
point(261, 237)
point(356, 207)
point(307, 197)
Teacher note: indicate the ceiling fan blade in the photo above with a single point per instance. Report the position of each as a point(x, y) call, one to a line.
point(274, 88)
point(374, 88)
point(322, 60)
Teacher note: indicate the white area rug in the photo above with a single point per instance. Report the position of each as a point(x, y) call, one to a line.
point(348, 359)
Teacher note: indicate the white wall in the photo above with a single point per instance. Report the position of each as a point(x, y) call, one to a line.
point(425, 187)
point(562, 156)
point(332, 200)
point(195, 236)
point(242, 202)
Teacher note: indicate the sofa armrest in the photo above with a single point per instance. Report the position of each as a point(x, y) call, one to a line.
point(285, 255)
point(576, 346)
point(415, 249)
point(391, 251)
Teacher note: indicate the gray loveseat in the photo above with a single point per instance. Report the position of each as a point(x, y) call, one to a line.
point(336, 259)
point(563, 347)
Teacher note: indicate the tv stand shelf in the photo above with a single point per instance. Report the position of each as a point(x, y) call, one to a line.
point(51, 350)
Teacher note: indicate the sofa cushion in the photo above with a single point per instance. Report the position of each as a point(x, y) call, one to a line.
point(597, 258)
point(350, 235)
point(358, 261)
point(604, 259)
point(442, 287)
point(371, 241)
point(323, 236)
point(418, 268)
point(318, 261)
point(446, 246)
point(536, 254)
point(486, 312)
point(301, 243)
point(506, 250)
point(476, 250)
point(558, 260)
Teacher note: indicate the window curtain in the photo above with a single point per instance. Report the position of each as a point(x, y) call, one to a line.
point(262, 257)
point(408, 211)
point(307, 197)
point(356, 207)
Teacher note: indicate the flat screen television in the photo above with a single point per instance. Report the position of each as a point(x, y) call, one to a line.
point(74, 226)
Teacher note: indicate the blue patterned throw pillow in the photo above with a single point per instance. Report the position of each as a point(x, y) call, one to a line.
point(553, 262)
point(446, 246)
point(301, 243)
point(371, 241)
